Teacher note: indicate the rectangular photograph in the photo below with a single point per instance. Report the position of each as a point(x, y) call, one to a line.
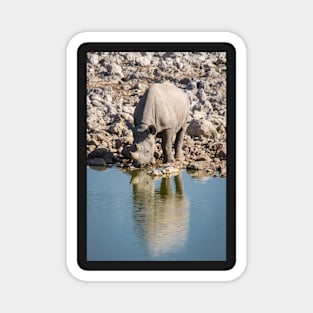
point(156, 157)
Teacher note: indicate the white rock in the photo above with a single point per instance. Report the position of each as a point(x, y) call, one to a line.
point(155, 173)
point(115, 69)
point(170, 170)
point(108, 98)
point(93, 58)
point(143, 61)
point(202, 127)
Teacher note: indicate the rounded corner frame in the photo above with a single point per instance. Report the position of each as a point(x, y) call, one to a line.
point(240, 49)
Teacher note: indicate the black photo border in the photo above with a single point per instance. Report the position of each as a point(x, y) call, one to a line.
point(231, 156)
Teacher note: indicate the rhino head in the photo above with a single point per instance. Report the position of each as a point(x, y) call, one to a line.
point(144, 140)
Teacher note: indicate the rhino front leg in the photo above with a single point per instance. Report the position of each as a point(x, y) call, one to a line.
point(179, 143)
point(167, 145)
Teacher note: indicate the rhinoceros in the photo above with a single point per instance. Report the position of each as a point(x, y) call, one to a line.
point(161, 112)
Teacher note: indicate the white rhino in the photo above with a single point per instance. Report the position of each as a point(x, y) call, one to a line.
point(163, 112)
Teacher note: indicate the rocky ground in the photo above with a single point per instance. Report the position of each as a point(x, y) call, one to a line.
point(117, 80)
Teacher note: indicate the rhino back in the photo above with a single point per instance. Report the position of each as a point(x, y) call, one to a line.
point(163, 105)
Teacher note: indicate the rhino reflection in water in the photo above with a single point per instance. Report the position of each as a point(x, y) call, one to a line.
point(161, 214)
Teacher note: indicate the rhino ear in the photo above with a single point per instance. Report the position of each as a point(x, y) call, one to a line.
point(152, 129)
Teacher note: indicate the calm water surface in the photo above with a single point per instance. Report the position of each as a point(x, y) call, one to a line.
point(133, 217)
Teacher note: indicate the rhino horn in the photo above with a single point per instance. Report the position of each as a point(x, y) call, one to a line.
point(134, 155)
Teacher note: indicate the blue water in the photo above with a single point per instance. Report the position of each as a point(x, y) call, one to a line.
point(133, 217)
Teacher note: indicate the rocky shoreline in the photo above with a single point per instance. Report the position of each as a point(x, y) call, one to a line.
point(117, 80)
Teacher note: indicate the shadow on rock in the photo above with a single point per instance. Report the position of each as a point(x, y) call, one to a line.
point(101, 157)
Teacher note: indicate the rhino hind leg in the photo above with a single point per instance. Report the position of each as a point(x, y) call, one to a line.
point(179, 144)
point(167, 145)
